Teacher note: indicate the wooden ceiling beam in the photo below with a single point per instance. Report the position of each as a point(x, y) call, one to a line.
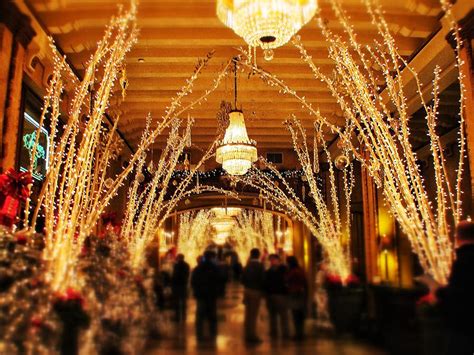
point(284, 107)
point(167, 87)
point(408, 25)
point(184, 55)
point(244, 96)
point(199, 37)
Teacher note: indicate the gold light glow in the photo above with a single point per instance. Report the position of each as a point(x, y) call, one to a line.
point(331, 222)
point(78, 188)
point(266, 23)
point(381, 122)
point(236, 152)
point(226, 211)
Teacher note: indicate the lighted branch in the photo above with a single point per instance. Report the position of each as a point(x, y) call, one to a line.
point(330, 223)
point(378, 114)
point(78, 187)
point(254, 229)
point(147, 209)
point(194, 234)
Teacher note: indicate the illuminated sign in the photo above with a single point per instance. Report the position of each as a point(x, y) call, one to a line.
point(40, 160)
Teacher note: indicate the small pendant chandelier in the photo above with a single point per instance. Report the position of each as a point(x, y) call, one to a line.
point(268, 24)
point(236, 152)
point(223, 222)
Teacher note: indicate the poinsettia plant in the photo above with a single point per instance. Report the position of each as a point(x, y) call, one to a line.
point(333, 281)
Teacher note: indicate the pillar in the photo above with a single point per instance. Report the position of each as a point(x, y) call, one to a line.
point(369, 205)
point(303, 246)
point(15, 35)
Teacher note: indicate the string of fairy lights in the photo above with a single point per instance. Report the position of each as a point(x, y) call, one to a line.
point(250, 229)
point(218, 172)
point(78, 186)
point(148, 206)
point(330, 222)
point(381, 125)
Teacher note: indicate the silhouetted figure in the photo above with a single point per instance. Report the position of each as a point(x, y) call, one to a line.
point(276, 293)
point(457, 299)
point(237, 270)
point(224, 278)
point(297, 295)
point(205, 281)
point(252, 279)
point(179, 287)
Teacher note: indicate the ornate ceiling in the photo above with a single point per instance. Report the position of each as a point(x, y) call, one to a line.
point(173, 34)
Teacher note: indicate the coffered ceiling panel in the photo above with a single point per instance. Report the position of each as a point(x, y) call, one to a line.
point(174, 34)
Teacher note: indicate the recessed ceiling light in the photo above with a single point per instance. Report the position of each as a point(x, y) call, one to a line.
point(141, 60)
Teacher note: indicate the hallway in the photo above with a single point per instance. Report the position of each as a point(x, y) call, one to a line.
point(180, 339)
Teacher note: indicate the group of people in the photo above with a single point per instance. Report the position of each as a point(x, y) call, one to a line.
point(284, 287)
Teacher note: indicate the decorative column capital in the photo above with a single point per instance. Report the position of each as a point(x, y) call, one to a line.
point(466, 31)
point(17, 22)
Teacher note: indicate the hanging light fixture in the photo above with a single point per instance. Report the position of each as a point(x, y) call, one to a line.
point(268, 24)
point(236, 152)
point(222, 227)
point(226, 211)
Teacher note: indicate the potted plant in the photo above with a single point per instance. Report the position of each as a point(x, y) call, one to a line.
point(345, 301)
point(431, 325)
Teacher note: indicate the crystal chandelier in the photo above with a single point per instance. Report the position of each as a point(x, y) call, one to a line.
point(222, 226)
point(226, 211)
point(236, 152)
point(266, 23)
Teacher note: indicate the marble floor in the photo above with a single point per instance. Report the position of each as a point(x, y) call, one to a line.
point(180, 339)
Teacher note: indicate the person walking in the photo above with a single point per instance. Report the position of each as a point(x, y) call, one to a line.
point(456, 300)
point(252, 279)
point(179, 287)
point(276, 296)
point(297, 295)
point(205, 281)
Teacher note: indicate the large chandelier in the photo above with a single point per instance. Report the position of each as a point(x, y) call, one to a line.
point(266, 23)
point(236, 152)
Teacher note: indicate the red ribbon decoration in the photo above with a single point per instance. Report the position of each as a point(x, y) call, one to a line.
point(15, 184)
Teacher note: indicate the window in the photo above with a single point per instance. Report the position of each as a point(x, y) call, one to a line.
point(31, 117)
point(275, 158)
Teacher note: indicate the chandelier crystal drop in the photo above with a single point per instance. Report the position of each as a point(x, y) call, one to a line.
point(267, 24)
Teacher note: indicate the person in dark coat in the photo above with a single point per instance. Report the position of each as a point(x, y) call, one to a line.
point(297, 295)
point(179, 287)
point(456, 300)
point(252, 279)
point(276, 295)
point(205, 281)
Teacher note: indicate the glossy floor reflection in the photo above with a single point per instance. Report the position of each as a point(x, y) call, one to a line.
point(180, 339)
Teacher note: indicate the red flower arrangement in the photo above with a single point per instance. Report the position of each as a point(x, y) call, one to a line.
point(16, 184)
point(14, 187)
point(36, 321)
point(70, 295)
point(336, 280)
point(428, 299)
point(21, 239)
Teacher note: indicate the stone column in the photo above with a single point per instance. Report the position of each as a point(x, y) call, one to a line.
point(15, 35)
